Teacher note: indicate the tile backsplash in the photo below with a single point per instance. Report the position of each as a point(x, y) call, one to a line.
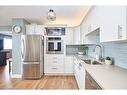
point(73, 49)
point(117, 51)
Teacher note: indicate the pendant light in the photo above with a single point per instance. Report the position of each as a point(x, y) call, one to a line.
point(51, 15)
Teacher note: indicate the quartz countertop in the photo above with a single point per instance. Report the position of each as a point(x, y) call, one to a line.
point(107, 76)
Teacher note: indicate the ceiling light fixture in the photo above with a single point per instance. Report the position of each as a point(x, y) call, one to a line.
point(51, 15)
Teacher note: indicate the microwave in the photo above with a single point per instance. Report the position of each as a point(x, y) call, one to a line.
point(54, 45)
point(55, 31)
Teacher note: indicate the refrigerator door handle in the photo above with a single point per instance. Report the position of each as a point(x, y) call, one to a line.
point(23, 49)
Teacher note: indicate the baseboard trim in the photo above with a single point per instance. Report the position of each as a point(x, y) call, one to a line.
point(59, 74)
point(16, 76)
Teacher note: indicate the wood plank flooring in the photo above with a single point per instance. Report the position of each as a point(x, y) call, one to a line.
point(46, 82)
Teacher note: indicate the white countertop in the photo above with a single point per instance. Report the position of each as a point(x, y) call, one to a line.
point(108, 76)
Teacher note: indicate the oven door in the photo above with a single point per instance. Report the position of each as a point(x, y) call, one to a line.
point(54, 47)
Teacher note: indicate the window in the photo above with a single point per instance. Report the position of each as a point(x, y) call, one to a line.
point(7, 43)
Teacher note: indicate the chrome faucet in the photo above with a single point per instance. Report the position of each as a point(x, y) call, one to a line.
point(100, 55)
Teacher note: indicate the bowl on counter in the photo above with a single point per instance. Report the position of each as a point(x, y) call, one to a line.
point(80, 53)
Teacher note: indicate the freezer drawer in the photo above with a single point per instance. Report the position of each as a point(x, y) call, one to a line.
point(31, 71)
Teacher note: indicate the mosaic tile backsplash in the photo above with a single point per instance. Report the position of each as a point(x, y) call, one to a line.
point(74, 49)
point(117, 51)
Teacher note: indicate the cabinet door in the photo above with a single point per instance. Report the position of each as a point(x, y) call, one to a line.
point(68, 65)
point(69, 36)
point(81, 33)
point(76, 73)
point(81, 77)
point(30, 29)
point(39, 29)
point(79, 72)
point(90, 23)
point(76, 36)
point(35, 29)
point(93, 21)
point(113, 26)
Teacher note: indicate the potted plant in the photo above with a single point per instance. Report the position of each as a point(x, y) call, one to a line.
point(108, 61)
point(83, 50)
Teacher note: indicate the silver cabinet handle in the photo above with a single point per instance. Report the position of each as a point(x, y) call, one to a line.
point(80, 65)
point(119, 32)
point(54, 68)
point(54, 57)
point(89, 28)
point(54, 61)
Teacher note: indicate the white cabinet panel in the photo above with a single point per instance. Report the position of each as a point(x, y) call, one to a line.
point(113, 26)
point(76, 35)
point(68, 64)
point(35, 29)
point(79, 72)
point(39, 29)
point(53, 64)
point(58, 64)
point(69, 35)
point(81, 76)
point(83, 29)
point(54, 69)
point(110, 19)
point(30, 29)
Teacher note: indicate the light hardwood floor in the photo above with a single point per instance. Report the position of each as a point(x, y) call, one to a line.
point(46, 82)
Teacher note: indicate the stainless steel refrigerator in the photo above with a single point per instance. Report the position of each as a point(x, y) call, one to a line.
point(32, 56)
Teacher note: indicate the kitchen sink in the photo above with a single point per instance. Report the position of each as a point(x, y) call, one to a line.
point(87, 61)
point(92, 62)
point(96, 63)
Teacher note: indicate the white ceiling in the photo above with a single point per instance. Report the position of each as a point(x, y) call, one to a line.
point(70, 15)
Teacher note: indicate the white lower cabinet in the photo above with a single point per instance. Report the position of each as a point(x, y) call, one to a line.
point(58, 64)
point(79, 72)
point(53, 64)
point(68, 65)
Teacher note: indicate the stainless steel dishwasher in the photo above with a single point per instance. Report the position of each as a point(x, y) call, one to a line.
point(90, 83)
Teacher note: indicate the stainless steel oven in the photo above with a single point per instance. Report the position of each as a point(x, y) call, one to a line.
point(54, 45)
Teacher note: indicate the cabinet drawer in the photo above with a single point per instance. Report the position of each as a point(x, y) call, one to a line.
point(53, 62)
point(54, 69)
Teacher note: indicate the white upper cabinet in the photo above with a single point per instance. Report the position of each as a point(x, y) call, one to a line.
point(88, 27)
point(69, 35)
point(113, 23)
point(35, 29)
point(40, 30)
point(83, 29)
point(30, 29)
point(91, 21)
point(76, 36)
point(110, 19)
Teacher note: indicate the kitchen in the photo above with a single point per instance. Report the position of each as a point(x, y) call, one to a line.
point(88, 54)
